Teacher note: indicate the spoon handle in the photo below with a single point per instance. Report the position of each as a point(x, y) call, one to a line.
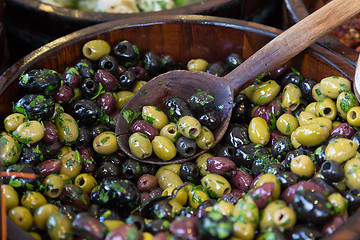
point(292, 41)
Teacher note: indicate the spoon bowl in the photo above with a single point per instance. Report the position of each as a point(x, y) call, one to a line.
point(276, 52)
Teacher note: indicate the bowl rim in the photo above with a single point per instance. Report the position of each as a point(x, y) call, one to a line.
point(297, 10)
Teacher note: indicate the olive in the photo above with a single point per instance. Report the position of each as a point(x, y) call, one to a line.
point(21, 216)
point(86, 68)
point(161, 210)
point(10, 197)
point(281, 147)
point(260, 163)
point(127, 54)
point(306, 86)
point(22, 184)
point(232, 61)
point(40, 81)
point(275, 108)
point(225, 151)
point(274, 168)
point(189, 172)
point(107, 80)
point(89, 227)
point(42, 214)
point(74, 195)
point(89, 87)
point(108, 63)
point(59, 226)
point(312, 207)
point(356, 138)
point(214, 225)
point(201, 101)
point(151, 62)
point(236, 135)
point(304, 232)
point(332, 171)
point(275, 135)
point(291, 155)
point(291, 77)
point(35, 107)
point(127, 80)
point(85, 111)
point(157, 226)
point(186, 147)
point(146, 128)
point(50, 132)
point(69, 211)
point(168, 62)
point(245, 154)
point(131, 169)
point(84, 138)
point(176, 108)
point(32, 155)
point(353, 198)
point(210, 119)
point(241, 110)
point(242, 180)
point(140, 73)
point(287, 179)
point(72, 77)
point(217, 69)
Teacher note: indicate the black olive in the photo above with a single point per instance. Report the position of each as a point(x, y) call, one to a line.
point(353, 198)
point(303, 232)
point(236, 135)
point(138, 221)
point(151, 62)
point(312, 207)
point(210, 119)
point(140, 73)
point(89, 88)
point(131, 170)
point(156, 192)
point(31, 155)
point(332, 171)
point(85, 111)
point(245, 154)
point(161, 210)
point(278, 72)
point(186, 147)
point(187, 212)
point(356, 138)
point(225, 151)
point(35, 107)
point(328, 187)
point(214, 225)
point(281, 147)
point(217, 69)
point(291, 77)
point(241, 110)
point(69, 211)
point(108, 63)
point(201, 102)
point(97, 129)
point(319, 155)
point(306, 87)
point(93, 210)
point(157, 225)
point(108, 214)
point(44, 81)
point(86, 68)
point(189, 172)
point(175, 108)
point(84, 138)
point(72, 77)
point(274, 168)
point(147, 168)
point(287, 178)
point(168, 62)
point(231, 198)
point(127, 54)
point(108, 169)
point(260, 163)
point(127, 80)
point(232, 61)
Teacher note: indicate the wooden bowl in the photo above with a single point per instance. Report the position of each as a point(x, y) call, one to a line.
point(41, 23)
point(211, 38)
point(295, 10)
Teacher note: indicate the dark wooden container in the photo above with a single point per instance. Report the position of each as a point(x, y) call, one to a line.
point(295, 10)
point(211, 38)
point(32, 24)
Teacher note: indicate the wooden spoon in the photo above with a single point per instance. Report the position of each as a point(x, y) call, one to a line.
point(182, 83)
point(356, 83)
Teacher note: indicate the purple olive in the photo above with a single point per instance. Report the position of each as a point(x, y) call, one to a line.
point(184, 228)
point(107, 80)
point(336, 222)
point(262, 194)
point(49, 167)
point(106, 101)
point(262, 112)
point(221, 165)
point(147, 182)
point(88, 164)
point(231, 197)
point(50, 150)
point(86, 151)
point(242, 180)
point(146, 128)
point(275, 108)
point(275, 135)
point(64, 95)
point(50, 133)
point(289, 193)
point(140, 73)
point(122, 233)
point(344, 129)
point(72, 77)
point(88, 227)
point(278, 72)
point(74, 195)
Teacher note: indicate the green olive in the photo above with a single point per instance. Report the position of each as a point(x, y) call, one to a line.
point(323, 121)
point(170, 131)
point(21, 216)
point(265, 93)
point(140, 145)
point(96, 49)
point(189, 127)
point(352, 173)
point(217, 184)
point(35, 235)
point(68, 129)
point(122, 97)
point(180, 195)
point(201, 163)
point(224, 207)
point(59, 109)
point(71, 164)
point(244, 230)
point(113, 224)
point(267, 216)
point(64, 150)
point(105, 143)
point(54, 185)
point(172, 167)
point(338, 202)
point(353, 116)
point(341, 150)
point(197, 196)
point(42, 214)
point(33, 200)
point(12, 121)
point(29, 132)
point(326, 107)
point(59, 227)
point(285, 218)
point(344, 102)
point(10, 196)
point(305, 117)
point(206, 138)
point(138, 85)
point(155, 116)
point(291, 97)
point(259, 131)
point(312, 134)
point(86, 181)
point(10, 149)
point(163, 148)
point(303, 166)
point(310, 108)
point(287, 123)
point(247, 209)
point(334, 85)
point(167, 178)
point(197, 64)
point(316, 92)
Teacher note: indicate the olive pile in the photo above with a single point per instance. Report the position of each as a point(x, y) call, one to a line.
point(287, 167)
